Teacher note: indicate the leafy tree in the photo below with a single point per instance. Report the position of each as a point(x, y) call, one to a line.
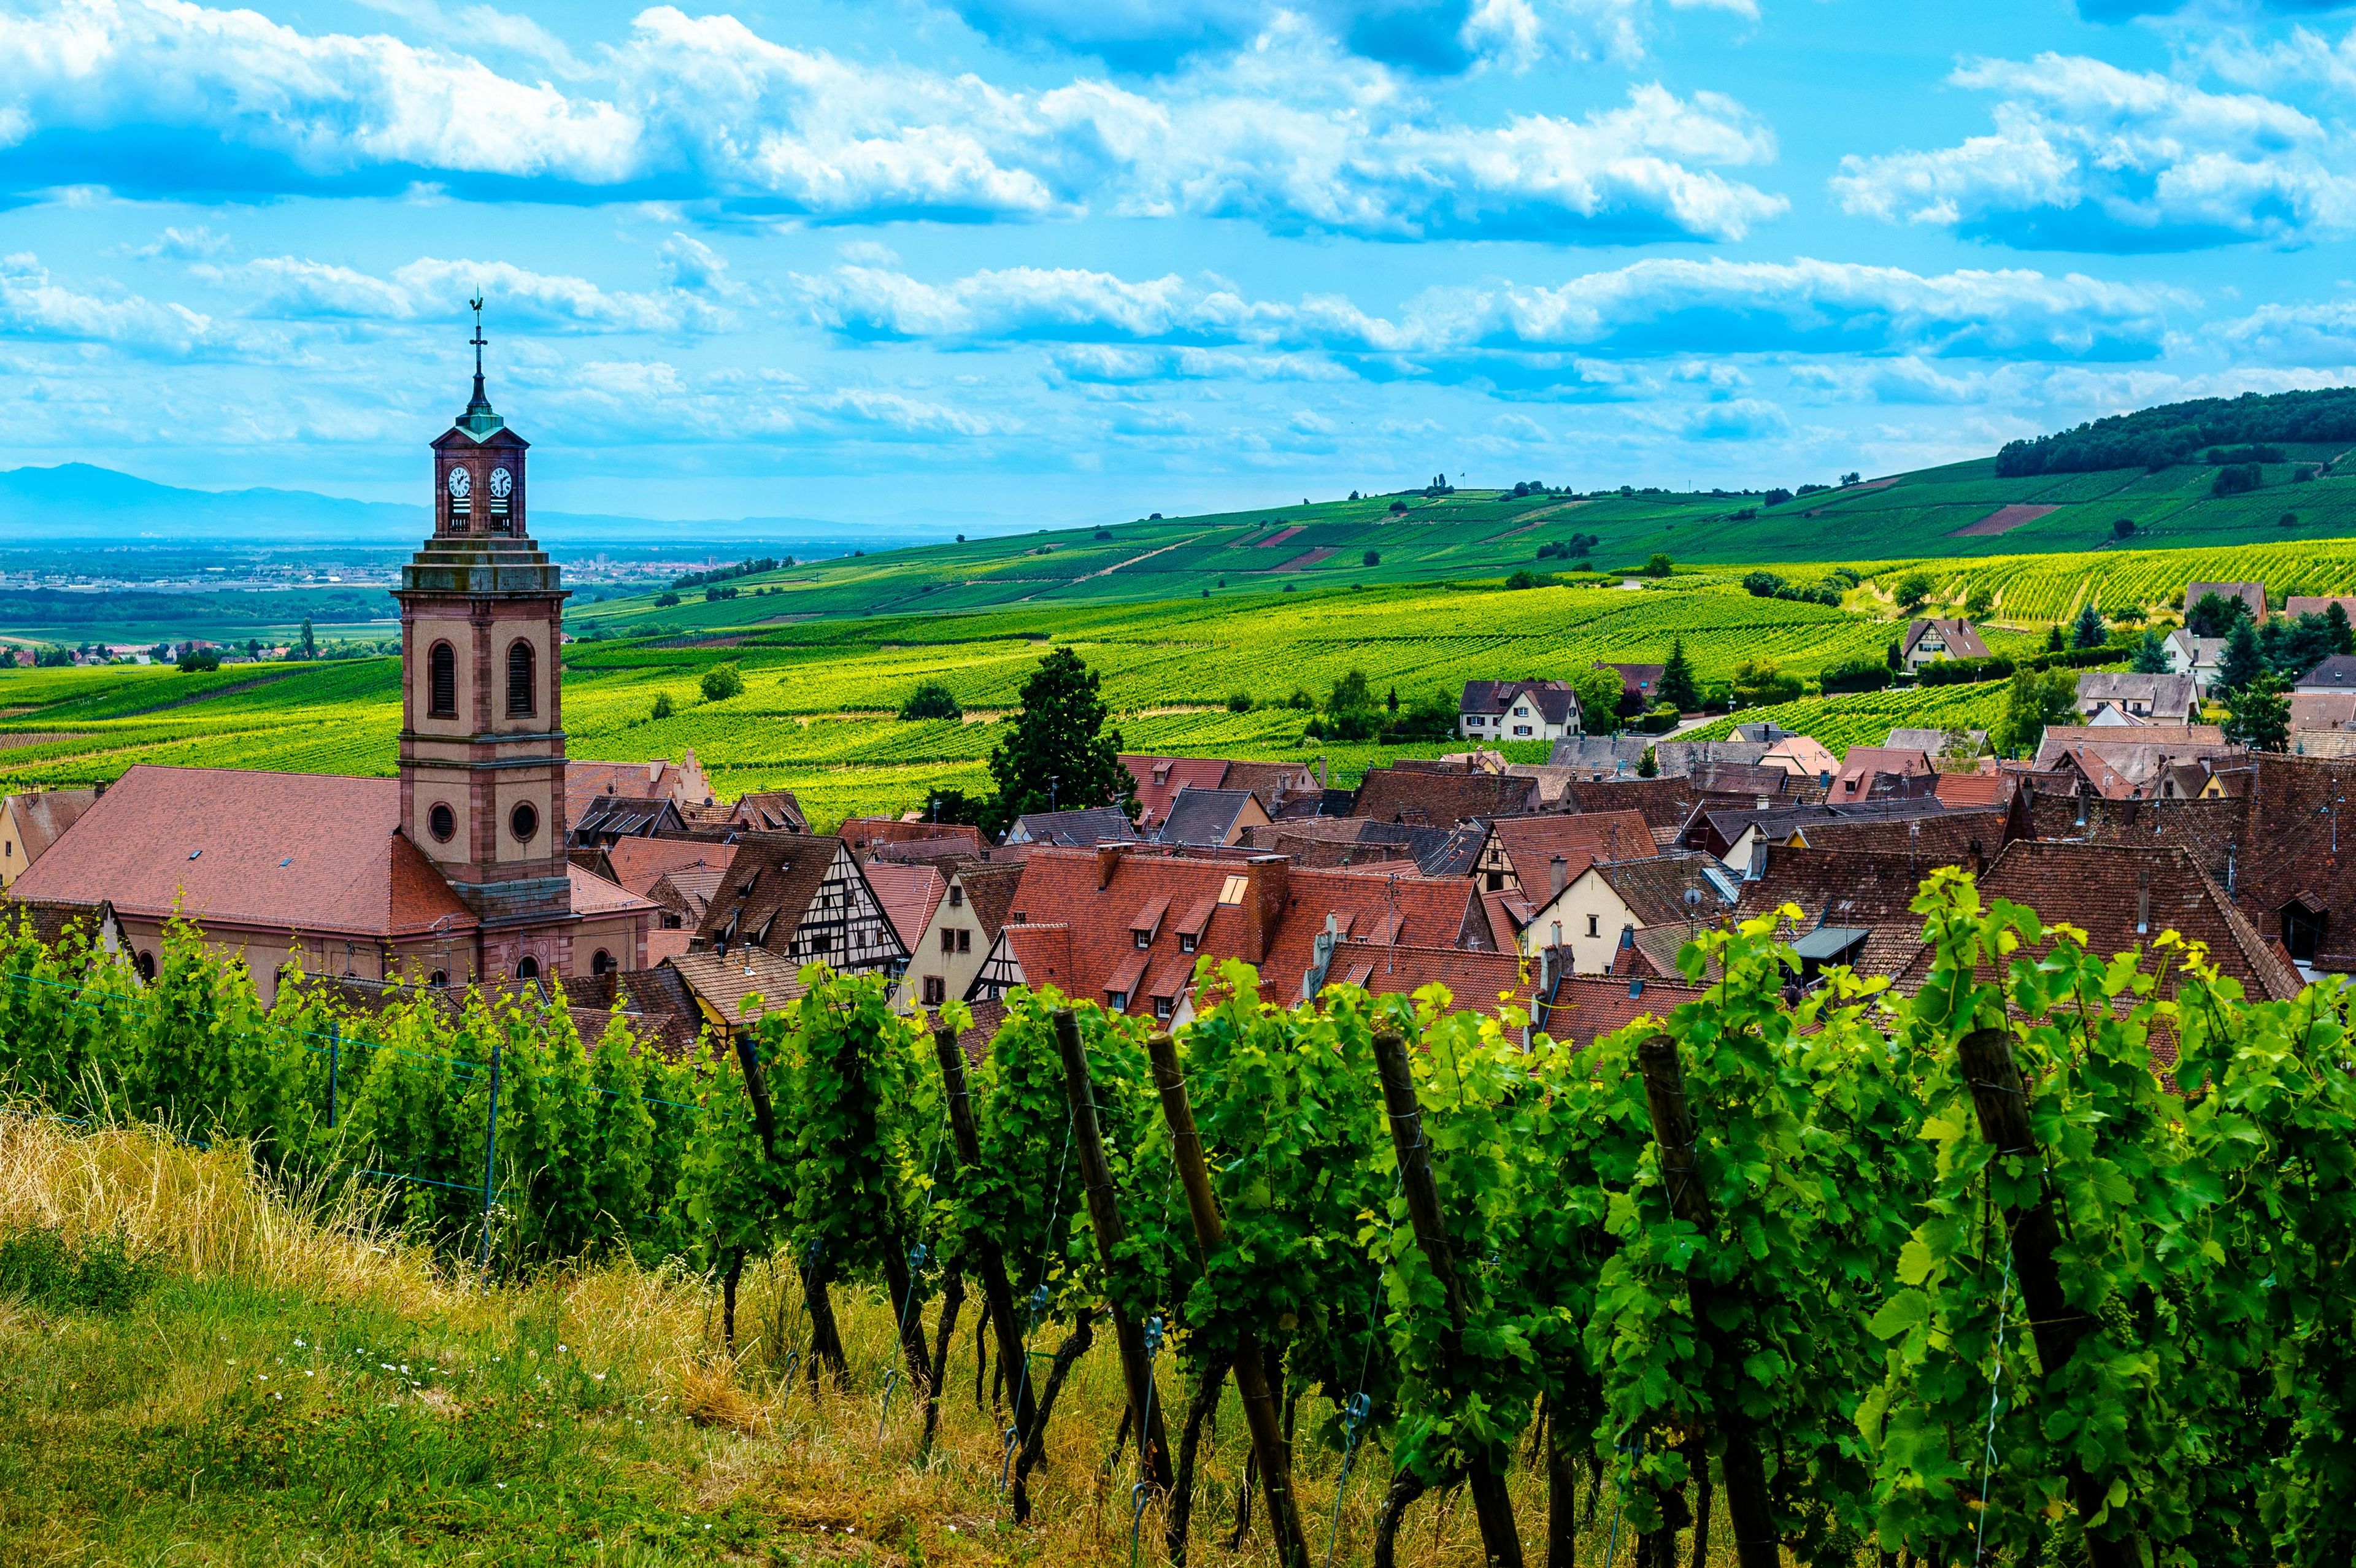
point(1775, 498)
point(2237, 479)
point(1649, 765)
point(2150, 654)
point(662, 707)
point(931, 699)
point(722, 681)
point(1659, 565)
point(2214, 616)
point(2242, 662)
point(2032, 699)
point(1758, 683)
point(2258, 714)
point(1372, 558)
point(1240, 702)
point(1677, 688)
point(1525, 578)
point(1913, 589)
point(310, 644)
point(1762, 584)
point(2122, 528)
point(1058, 734)
point(2335, 620)
point(1982, 601)
point(2089, 631)
point(1600, 693)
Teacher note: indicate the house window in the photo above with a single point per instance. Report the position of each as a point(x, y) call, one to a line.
point(520, 683)
point(1186, 941)
point(442, 682)
point(937, 990)
point(1231, 891)
point(439, 979)
point(1144, 939)
point(1592, 930)
point(524, 822)
point(1116, 1001)
point(956, 895)
point(964, 940)
point(1521, 729)
point(146, 965)
point(2302, 931)
point(1163, 1007)
point(822, 942)
point(673, 920)
point(949, 940)
point(442, 822)
point(601, 963)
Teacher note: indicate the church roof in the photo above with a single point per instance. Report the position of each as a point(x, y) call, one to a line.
point(314, 852)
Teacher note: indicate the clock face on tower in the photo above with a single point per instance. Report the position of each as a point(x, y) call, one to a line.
point(502, 483)
point(460, 483)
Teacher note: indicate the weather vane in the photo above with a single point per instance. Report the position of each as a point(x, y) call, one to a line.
point(476, 305)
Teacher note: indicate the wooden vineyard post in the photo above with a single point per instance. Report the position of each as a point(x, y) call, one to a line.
point(2001, 1098)
point(1104, 1218)
point(988, 1262)
point(1491, 1502)
point(1251, 1373)
point(1747, 1508)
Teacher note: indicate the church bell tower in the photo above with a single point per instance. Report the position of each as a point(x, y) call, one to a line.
point(482, 733)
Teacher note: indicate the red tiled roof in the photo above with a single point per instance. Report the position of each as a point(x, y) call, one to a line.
point(1481, 981)
point(1441, 800)
point(593, 895)
point(315, 852)
point(1959, 790)
point(639, 863)
point(864, 832)
point(2102, 888)
point(1585, 1008)
point(1159, 780)
point(1531, 843)
point(1080, 911)
point(909, 895)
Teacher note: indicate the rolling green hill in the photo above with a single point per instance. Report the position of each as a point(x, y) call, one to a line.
point(1964, 512)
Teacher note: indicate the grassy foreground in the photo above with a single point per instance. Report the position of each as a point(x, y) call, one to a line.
point(197, 1368)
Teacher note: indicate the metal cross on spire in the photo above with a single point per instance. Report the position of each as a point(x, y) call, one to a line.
point(479, 418)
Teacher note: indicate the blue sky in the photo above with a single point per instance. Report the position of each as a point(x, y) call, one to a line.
point(1059, 260)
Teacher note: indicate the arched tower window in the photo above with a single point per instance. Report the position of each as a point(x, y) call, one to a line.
point(442, 682)
point(520, 684)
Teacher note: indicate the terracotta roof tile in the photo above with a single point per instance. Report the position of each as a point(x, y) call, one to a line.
point(42, 816)
point(593, 895)
point(722, 983)
point(639, 863)
point(1531, 843)
point(228, 847)
point(1584, 1008)
point(1441, 800)
point(909, 895)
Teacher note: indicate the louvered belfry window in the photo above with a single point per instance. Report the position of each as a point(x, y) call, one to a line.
point(520, 684)
point(442, 682)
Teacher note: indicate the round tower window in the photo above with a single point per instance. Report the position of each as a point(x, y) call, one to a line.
point(524, 822)
point(442, 822)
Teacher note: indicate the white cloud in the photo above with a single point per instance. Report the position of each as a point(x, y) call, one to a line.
point(1646, 308)
point(1744, 418)
point(2086, 156)
point(35, 305)
point(184, 244)
point(1294, 133)
point(292, 288)
point(2321, 331)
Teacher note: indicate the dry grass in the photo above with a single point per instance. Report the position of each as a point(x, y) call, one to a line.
point(609, 1381)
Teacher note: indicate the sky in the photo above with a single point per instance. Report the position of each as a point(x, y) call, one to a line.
point(1040, 261)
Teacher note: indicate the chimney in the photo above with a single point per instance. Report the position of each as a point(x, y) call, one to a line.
point(1108, 861)
point(1557, 873)
point(1268, 885)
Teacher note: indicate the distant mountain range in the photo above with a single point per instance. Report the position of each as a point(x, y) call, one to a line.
point(75, 502)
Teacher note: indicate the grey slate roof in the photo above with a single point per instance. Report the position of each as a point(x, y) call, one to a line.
point(1203, 815)
point(1082, 829)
